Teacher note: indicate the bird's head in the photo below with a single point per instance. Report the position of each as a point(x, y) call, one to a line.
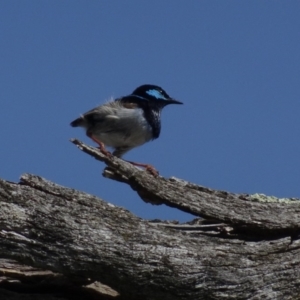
point(155, 94)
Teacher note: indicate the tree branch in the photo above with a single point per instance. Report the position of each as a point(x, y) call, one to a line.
point(251, 213)
point(84, 239)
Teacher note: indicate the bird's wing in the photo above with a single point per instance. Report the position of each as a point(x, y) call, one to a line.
point(110, 117)
point(107, 116)
point(88, 118)
point(94, 116)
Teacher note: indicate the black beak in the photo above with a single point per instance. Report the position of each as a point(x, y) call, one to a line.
point(173, 101)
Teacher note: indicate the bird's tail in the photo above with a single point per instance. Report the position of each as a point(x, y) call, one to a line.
point(77, 122)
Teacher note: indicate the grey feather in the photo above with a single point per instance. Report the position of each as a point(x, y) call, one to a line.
point(116, 126)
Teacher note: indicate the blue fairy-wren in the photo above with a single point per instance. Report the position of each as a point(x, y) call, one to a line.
point(127, 122)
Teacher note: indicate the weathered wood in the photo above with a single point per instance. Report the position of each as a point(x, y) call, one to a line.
point(257, 213)
point(23, 282)
point(249, 253)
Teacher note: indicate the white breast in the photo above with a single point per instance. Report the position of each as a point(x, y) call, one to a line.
point(123, 126)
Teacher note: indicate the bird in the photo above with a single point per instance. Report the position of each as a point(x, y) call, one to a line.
point(127, 122)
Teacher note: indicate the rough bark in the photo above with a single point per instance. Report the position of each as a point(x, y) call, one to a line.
point(56, 241)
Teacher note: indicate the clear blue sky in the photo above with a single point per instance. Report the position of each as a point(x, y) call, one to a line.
point(234, 64)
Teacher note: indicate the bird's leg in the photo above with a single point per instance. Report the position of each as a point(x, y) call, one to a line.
point(147, 167)
point(101, 145)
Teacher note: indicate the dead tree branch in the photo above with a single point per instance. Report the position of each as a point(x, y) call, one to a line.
point(246, 247)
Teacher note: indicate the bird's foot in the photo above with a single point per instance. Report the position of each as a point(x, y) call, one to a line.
point(152, 170)
point(105, 152)
point(101, 147)
point(147, 167)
